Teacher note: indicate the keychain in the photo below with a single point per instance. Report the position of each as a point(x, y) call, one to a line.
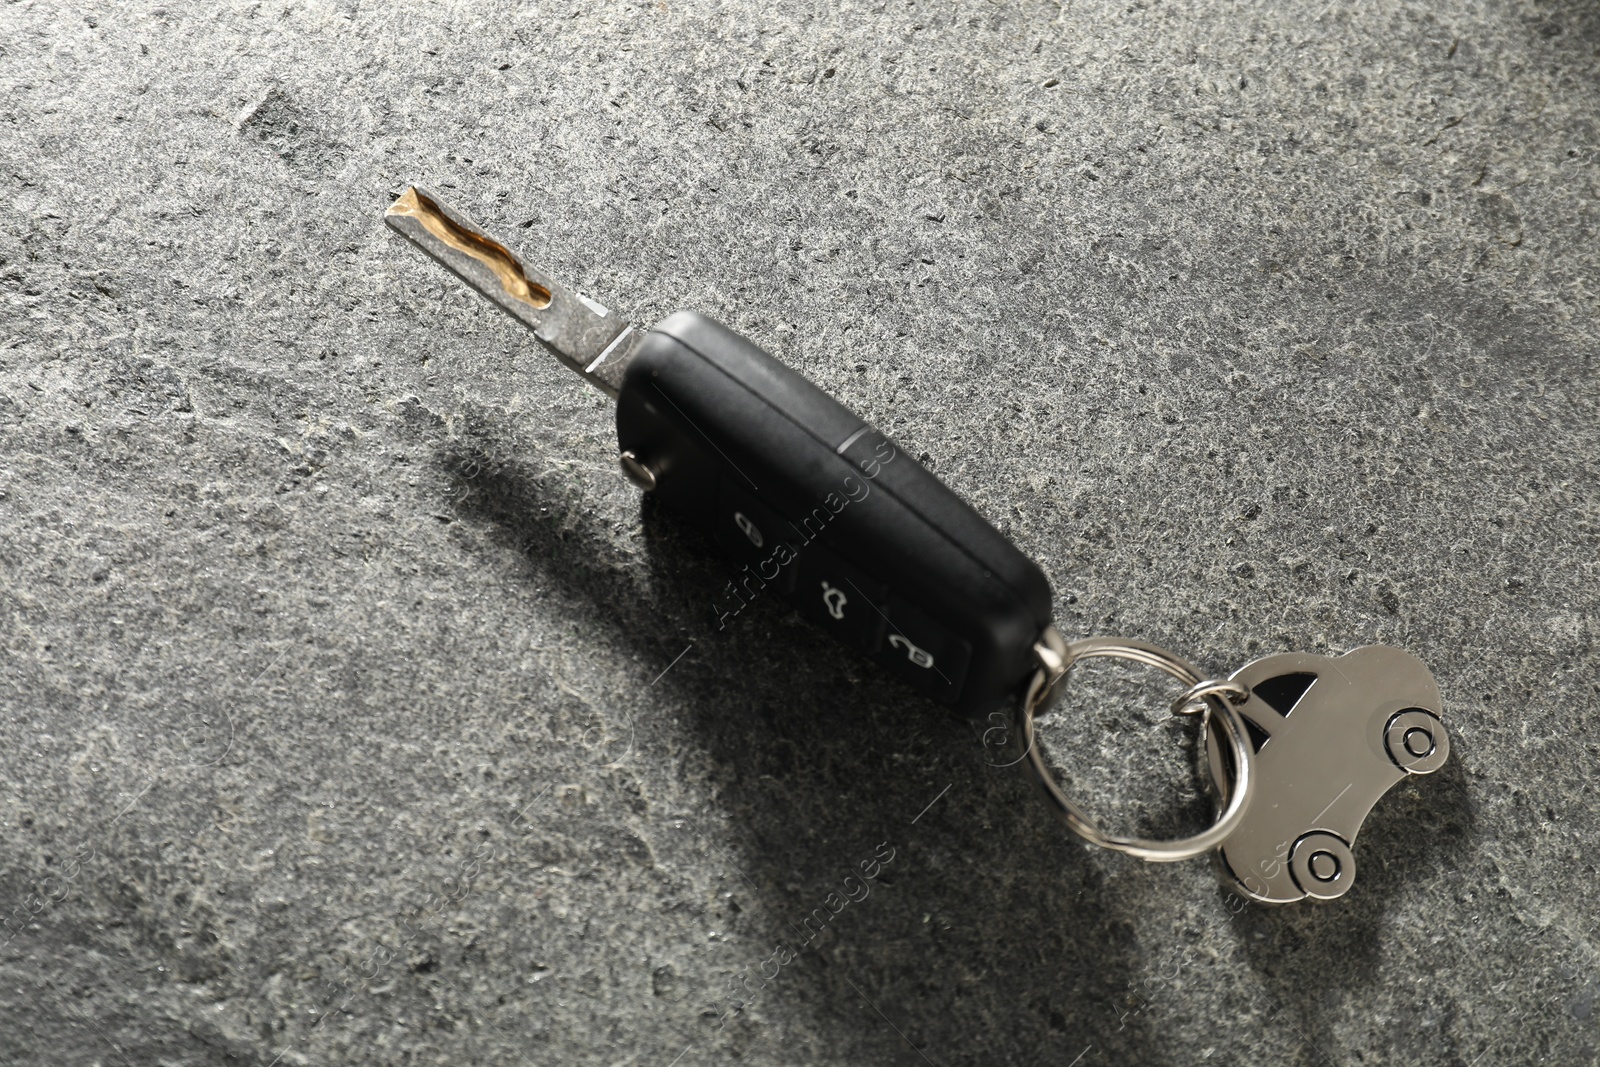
point(818, 506)
point(1304, 747)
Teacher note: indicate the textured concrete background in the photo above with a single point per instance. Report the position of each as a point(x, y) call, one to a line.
point(335, 729)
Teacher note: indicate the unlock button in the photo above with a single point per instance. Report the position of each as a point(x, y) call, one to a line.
point(840, 597)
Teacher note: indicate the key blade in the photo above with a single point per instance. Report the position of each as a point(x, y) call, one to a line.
point(582, 334)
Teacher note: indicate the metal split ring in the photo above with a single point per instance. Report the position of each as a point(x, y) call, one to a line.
point(1056, 658)
point(1190, 701)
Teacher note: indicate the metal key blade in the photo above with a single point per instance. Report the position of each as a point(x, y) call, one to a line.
point(582, 334)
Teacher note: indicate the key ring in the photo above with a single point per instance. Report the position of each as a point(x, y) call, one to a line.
point(1057, 659)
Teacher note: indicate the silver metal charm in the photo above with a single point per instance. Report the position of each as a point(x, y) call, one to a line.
point(1306, 745)
point(1333, 734)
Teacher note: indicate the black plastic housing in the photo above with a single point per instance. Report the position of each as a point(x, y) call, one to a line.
point(821, 508)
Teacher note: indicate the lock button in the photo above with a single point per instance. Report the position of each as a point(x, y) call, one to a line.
point(840, 597)
point(927, 655)
point(751, 533)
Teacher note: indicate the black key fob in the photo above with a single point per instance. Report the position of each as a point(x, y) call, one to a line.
point(817, 506)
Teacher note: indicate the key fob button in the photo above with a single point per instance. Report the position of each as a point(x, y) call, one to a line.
point(753, 533)
point(840, 597)
point(927, 655)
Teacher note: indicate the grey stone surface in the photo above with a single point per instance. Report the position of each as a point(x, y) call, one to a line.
point(335, 728)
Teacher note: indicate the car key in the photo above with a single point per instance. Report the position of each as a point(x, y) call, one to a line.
point(813, 502)
point(806, 497)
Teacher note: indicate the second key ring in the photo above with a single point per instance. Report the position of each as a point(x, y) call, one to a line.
point(1050, 681)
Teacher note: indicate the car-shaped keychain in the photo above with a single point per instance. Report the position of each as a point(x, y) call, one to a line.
point(1300, 747)
point(1332, 735)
